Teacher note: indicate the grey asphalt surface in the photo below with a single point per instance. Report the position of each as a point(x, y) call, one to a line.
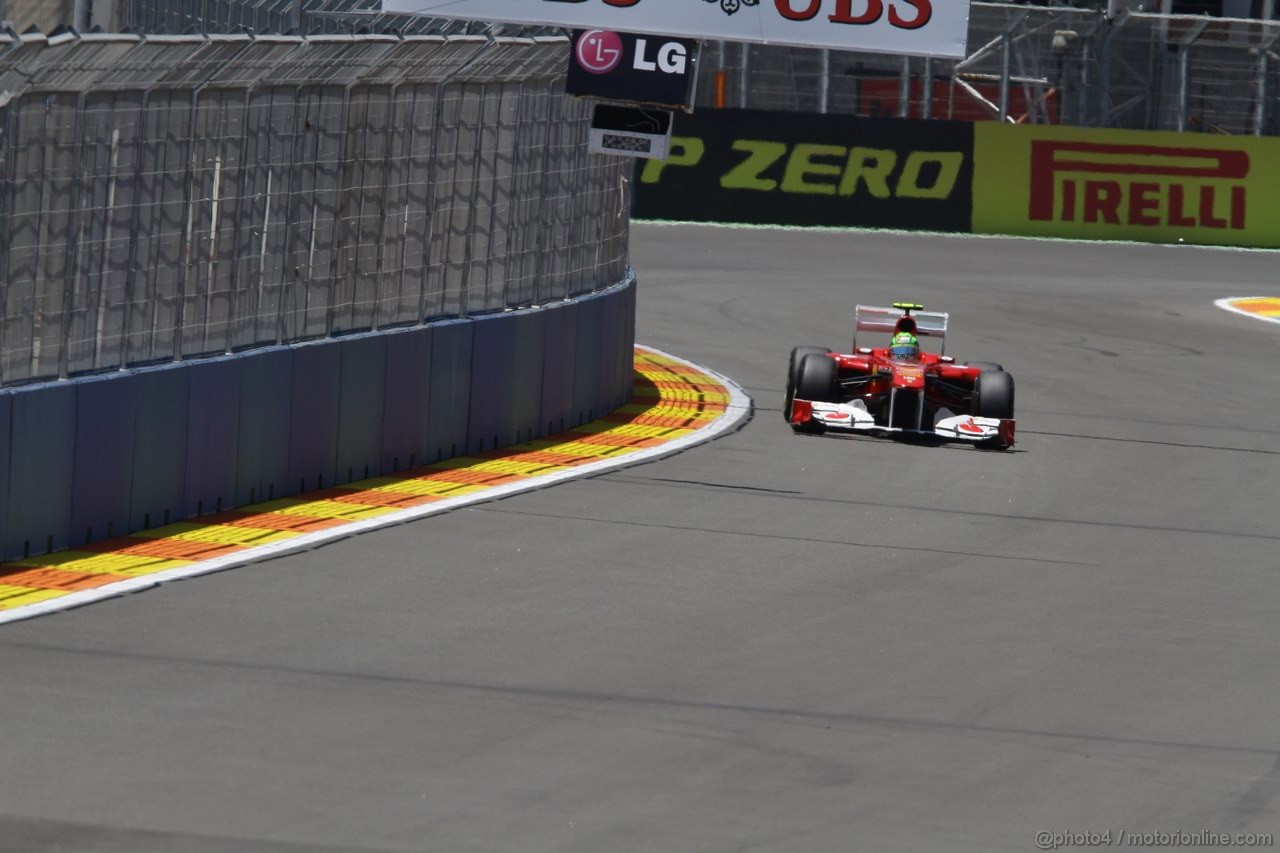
point(768, 643)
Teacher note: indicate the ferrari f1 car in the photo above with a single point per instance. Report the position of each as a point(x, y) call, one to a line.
point(900, 392)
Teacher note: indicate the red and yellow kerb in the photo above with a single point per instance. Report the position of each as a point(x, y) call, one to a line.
point(672, 400)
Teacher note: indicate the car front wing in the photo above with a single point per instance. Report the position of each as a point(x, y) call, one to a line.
point(851, 418)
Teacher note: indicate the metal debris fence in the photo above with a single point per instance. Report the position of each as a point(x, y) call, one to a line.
point(1036, 64)
point(1032, 64)
point(171, 197)
point(303, 17)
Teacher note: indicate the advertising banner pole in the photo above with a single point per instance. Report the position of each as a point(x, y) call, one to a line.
point(1184, 73)
point(1264, 72)
point(904, 89)
point(824, 81)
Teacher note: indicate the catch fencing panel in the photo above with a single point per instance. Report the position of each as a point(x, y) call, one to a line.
point(309, 17)
point(169, 197)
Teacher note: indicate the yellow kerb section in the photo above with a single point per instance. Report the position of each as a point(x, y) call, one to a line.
point(125, 565)
point(1267, 306)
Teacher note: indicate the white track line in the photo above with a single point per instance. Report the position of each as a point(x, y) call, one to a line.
point(1225, 305)
point(738, 409)
point(956, 235)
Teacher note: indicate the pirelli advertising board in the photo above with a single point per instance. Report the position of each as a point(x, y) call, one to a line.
point(1126, 185)
point(796, 169)
point(988, 178)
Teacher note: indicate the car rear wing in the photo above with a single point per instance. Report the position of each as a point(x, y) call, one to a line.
point(929, 324)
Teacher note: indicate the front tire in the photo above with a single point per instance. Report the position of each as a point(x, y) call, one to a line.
point(993, 395)
point(793, 375)
point(815, 380)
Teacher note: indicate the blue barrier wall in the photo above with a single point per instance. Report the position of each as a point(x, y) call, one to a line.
point(213, 434)
point(449, 389)
point(6, 412)
point(364, 385)
point(267, 401)
point(40, 467)
point(102, 468)
point(312, 441)
point(406, 409)
point(558, 363)
point(161, 429)
point(103, 456)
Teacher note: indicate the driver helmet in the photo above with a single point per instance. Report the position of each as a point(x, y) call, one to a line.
point(904, 345)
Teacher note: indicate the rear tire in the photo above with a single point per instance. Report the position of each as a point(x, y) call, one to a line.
point(793, 375)
point(986, 365)
point(993, 395)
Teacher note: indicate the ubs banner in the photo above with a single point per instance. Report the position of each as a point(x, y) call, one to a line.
point(1127, 185)
point(916, 27)
point(795, 169)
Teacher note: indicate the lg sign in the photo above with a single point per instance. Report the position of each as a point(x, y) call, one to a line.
point(616, 66)
point(672, 58)
point(600, 51)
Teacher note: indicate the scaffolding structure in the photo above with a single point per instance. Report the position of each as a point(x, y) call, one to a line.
point(1031, 64)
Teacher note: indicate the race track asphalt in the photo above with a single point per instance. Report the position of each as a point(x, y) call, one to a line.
point(767, 643)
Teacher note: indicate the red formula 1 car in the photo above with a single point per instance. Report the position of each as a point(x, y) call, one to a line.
point(900, 391)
